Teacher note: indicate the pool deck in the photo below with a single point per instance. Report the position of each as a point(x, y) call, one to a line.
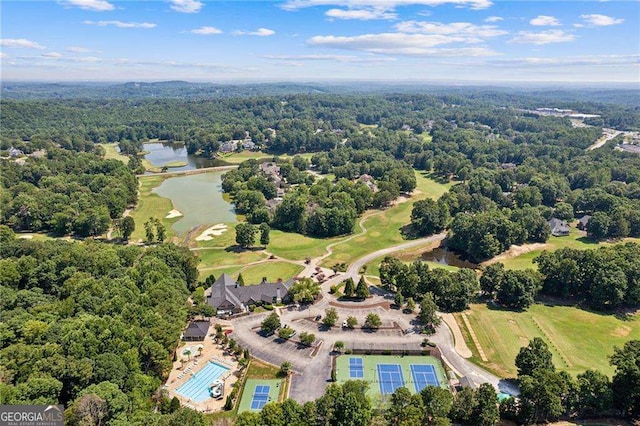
point(211, 352)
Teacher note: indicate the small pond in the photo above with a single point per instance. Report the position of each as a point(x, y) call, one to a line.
point(199, 198)
point(162, 153)
point(446, 257)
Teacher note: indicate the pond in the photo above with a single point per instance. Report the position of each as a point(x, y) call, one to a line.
point(199, 198)
point(162, 153)
point(445, 257)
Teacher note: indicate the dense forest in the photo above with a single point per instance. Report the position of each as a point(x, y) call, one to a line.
point(81, 320)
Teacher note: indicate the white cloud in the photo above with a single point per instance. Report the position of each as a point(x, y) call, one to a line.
point(186, 6)
point(260, 32)
point(545, 21)
point(3, 55)
point(94, 5)
point(544, 37)
point(360, 14)
point(121, 24)
point(400, 44)
point(474, 32)
point(78, 49)
point(52, 55)
point(383, 4)
point(601, 20)
point(206, 31)
point(590, 60)
point(20, 43)
point(324, 57)
point(491, 19)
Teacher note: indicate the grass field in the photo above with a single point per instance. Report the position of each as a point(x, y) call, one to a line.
point(575, 240)
point(151, 205)
point(297, 247)
point(220, 257)
point(272, 270)
point(578, 339)
point(111, 152)
point(239, 157)
point(370, 365)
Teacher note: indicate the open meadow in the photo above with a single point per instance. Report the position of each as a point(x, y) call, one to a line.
point(578, 339)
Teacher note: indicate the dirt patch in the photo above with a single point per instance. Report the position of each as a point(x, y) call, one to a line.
point(622, 331)
point(515, 251)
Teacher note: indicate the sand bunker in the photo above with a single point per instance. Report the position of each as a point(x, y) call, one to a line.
point(26, 236)
point(173, 213)
point(213, 231)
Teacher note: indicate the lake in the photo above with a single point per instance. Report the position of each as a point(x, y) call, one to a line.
point(198, 198)
point(161, 153)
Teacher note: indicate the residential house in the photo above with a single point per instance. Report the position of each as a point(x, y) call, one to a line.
point(228, 297)
point(229, 146)
point(196, 331)
point(369, 181)
point(559, 228)
point(272, 171)
point(582, 222)
point(14, 152)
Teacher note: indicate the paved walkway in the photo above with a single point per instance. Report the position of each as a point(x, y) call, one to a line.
point(460, 345)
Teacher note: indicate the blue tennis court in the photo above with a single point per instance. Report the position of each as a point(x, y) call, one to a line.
point(356, 369)
point(260, 397)
point(424, 375)
point(390, 378)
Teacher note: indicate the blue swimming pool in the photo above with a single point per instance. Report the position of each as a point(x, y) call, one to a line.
point(197, 388)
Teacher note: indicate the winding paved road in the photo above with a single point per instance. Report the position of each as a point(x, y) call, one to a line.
point(312, 370)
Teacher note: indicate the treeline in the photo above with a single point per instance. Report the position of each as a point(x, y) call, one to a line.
point(451, 291)
point(90, 325)
point(348, 404)
point(550, 395)
point(65, 192)
point(604, 279)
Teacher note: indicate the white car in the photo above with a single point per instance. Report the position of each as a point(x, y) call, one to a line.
point(344, 324)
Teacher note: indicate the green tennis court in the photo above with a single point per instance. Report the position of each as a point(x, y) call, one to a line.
point(259, 392)
point(377, 370)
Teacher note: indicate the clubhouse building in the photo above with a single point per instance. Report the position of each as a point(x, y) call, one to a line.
point(229, 297)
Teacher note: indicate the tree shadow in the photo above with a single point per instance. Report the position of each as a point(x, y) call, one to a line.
point(587, 240)
point(239, 249)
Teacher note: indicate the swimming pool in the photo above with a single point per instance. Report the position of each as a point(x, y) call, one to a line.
point(197, 388)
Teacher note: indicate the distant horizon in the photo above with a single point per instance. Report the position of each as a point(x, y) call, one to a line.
point(441, 83)
point(434, 41)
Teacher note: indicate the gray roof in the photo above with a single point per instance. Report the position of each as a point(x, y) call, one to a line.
point(226, 289)
point(197, 329)
point(466, 382)
point(584, 219)
point(558, 226)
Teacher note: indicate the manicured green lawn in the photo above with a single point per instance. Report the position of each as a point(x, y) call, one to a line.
point(239, 157)
point(215, 257)
point(272, 270)
point(151, 205)
point(293, 246)
point(578, 339)
point(111, 152)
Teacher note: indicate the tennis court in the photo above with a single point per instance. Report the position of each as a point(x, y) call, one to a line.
point(356, 371)
point(424, 375)
point(390, 378)
point(260, 397)
point(386, 373)
point(259, 392)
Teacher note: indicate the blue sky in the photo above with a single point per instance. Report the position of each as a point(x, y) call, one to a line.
point(314, 40)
